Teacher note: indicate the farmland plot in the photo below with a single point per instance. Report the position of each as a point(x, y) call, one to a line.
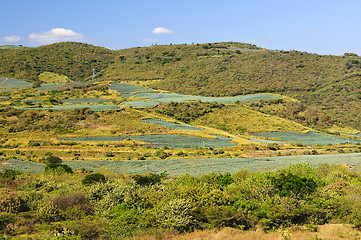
point(310, 138)
point(166, 140)
point(85, 100)
point(96, 108)
point(174, 126)
point(155, 97)
point(195, 167)
point(9, 84)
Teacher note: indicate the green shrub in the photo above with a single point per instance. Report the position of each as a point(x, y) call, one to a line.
point(58, 168)
point(9, 173)
point(217, 217)
point(161, 154)
point(105, 196)
point(149, 178)
point(290, 184)
point(86, 228)
point(221, 179)
point(9, 201)
point(93, 178)
point(176, 214)
point(52, 159)
point(48, 212)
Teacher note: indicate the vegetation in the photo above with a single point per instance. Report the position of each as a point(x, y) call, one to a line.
point(74, 60)
point(310, 93)
point(326, 85)
point(127, 206)
point(187, 112)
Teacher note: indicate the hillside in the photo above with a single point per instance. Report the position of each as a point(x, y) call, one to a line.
point(74, 60)
point(329, 83)
point(327, 87)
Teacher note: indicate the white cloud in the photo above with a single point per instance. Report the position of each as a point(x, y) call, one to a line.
point(56, 35)
point(162, 30)
point(11, 39)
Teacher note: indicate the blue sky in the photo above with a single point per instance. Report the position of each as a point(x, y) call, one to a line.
point(318, 26)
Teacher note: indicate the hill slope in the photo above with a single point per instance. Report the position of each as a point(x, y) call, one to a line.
point(75, 60)
point(331, 85)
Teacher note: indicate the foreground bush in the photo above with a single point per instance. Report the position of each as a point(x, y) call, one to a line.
point(9, 201)
point(128, 206)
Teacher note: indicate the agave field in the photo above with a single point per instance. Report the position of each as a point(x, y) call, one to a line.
point(154, 97)
point(310, 138)
point(9, 84)
point(265, 141)
point(85, 100)
point(96, 108)
point(165, 140)
point(127, 90)
point(195, 167)
point(174, 126)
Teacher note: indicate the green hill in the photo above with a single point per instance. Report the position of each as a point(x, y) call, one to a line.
point(329, 86)
point(74, 60)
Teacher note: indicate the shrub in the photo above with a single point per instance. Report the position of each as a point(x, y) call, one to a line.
point(217, 217)
point(58, 168)
point(93, 178)
point(48, 212)
point(5, 219)
point(74, 205)
point(9, 201)
point(273, 146)
point(52, 159)
point(149, 178)
point(218, 178)
point(9, 173)
point(86, 228)
point(176, 214)
point(161, 154)
point(289, 184)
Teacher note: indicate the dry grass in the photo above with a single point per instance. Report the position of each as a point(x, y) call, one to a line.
point(240, 120)
point(324, 232)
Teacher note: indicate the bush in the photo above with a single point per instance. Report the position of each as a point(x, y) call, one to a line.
point(75, 205)
point(161, 154)
point(48, 212)
point(289, 184)
point(52, 159)
point(176, 214)
point(218, 178)
point(9, 201)
point(93, 178)
point(5, 219)
point(58, 168)
point(86, 228)
point(105, 196)
point(149, 179)
point(9, 173)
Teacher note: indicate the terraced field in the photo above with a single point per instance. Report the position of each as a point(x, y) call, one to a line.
point(10, 84)
point(195, 167)
point(85, 100)
point(154, 97)
point(174, 126)
point(310, 138)
point(95, 107)
point(165, 140)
